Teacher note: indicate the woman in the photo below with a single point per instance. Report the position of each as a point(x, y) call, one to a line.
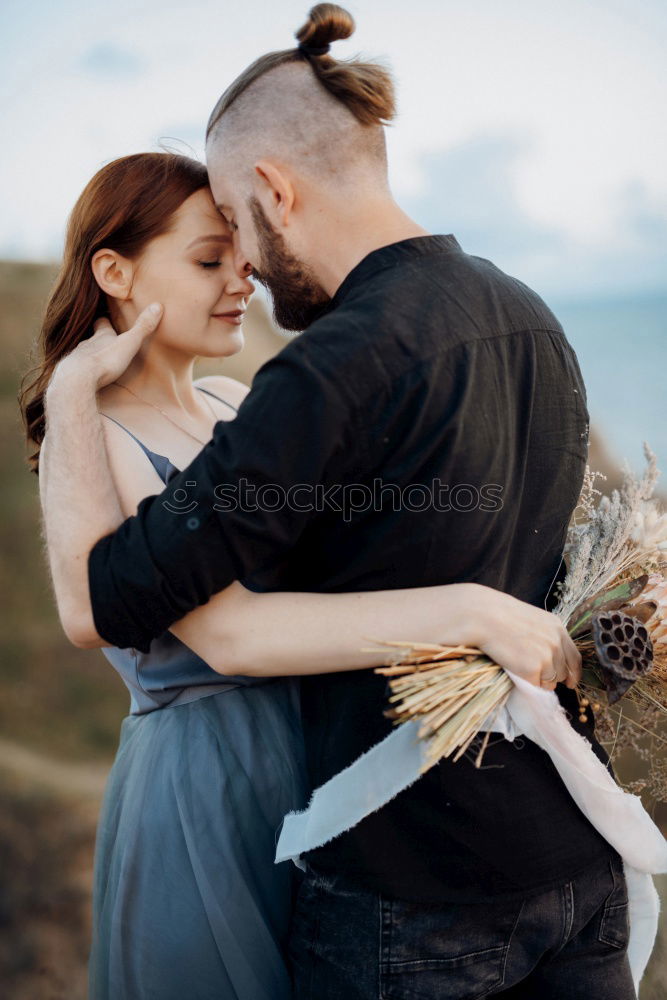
point(187, 899)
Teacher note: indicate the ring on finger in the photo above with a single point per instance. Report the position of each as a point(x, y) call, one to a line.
point(549, 680)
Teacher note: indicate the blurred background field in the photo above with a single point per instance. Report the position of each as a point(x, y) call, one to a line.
point(61, 707)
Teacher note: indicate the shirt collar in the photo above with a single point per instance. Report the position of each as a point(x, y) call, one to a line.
point(391, 256)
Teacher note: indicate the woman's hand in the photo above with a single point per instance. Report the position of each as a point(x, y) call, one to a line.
point(525, 640)
point(103, 358)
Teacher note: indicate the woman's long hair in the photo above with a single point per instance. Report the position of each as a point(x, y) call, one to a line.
point(126, 204)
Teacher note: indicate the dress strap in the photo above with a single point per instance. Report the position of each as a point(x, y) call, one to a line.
point(140, 443)
point(159, 462)
point(219, 398)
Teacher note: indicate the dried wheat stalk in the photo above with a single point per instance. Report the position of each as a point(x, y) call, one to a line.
point(452, 690)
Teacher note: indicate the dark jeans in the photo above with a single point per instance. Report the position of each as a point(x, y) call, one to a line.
point(569, 943)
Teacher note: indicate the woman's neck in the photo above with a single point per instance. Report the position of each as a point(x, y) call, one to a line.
point(164, 378)
point(158, 373)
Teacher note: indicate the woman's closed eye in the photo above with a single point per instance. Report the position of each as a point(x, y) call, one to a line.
point(209, 263)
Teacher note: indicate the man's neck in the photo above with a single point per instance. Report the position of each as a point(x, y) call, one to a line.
point(356, 233)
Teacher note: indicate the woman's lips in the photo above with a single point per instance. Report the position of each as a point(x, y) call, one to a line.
point(235, 317)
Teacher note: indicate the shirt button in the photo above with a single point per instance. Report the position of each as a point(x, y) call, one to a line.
point(193, 523)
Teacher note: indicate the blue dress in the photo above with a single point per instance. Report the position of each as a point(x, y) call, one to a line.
point(187, 901)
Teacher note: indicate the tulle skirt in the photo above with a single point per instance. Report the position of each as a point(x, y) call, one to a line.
point(187, 900)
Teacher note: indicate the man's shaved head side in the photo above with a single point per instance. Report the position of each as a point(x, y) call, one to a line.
point(322, 116)
point(297, 160)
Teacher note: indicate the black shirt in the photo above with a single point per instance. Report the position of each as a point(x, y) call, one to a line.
point(430, 427)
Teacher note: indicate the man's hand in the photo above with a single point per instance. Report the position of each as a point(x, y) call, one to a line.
point(526, 640)
point(103, 358)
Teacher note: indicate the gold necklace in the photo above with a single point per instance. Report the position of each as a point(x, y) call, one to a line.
point(148, 403)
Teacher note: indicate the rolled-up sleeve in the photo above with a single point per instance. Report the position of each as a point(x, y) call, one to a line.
point(234, 510)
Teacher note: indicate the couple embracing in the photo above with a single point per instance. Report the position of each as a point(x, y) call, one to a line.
point(238, 627)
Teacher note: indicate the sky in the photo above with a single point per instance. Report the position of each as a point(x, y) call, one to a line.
point(531, 129)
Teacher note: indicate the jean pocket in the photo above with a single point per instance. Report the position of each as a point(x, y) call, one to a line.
point(614, 920)
point(448, 952)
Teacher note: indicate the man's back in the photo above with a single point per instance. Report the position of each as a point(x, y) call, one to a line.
point(473, 406)
point(470, 463)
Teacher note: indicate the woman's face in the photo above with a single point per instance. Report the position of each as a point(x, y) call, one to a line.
point(190, 270)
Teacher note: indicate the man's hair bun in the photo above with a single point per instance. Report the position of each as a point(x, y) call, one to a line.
point(365, 88)
point(327, 23)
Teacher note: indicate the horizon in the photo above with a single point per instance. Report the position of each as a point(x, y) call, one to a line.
point(606, 297)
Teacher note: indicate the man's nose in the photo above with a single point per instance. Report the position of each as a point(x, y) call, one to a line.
point(242, 265)
point(240, 283)
point(243, 286)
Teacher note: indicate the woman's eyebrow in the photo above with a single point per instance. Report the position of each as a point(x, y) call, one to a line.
point(213, 238)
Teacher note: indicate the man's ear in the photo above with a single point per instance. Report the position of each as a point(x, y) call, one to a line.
point(277, 189)
point(113, 273)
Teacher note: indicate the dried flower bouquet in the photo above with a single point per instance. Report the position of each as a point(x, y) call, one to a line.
point(613, 602)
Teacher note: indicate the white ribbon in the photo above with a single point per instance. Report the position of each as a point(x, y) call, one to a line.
point(395, 763)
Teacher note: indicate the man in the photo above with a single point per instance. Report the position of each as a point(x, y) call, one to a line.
point(429, 370)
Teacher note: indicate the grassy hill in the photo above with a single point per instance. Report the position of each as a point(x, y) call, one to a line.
point(61, 707)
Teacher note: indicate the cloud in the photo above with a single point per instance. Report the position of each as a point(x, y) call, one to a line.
point(642, 216)
point(107, 59)
point(473, 191)
point(634, 255)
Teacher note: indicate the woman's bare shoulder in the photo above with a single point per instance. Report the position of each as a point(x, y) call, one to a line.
point(229, 389)
point(132, 471)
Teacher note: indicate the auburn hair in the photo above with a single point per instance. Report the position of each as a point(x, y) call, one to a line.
point(366, 89)
point(129, 202)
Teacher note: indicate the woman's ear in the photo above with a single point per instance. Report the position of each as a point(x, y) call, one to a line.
point(278, 189)
point(113, 273)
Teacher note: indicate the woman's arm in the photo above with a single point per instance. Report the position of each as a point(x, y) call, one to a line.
point(68, 586)
point(79, 504)
point(241, 632)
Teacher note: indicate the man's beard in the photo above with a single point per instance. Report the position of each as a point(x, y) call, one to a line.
point(297, 297)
